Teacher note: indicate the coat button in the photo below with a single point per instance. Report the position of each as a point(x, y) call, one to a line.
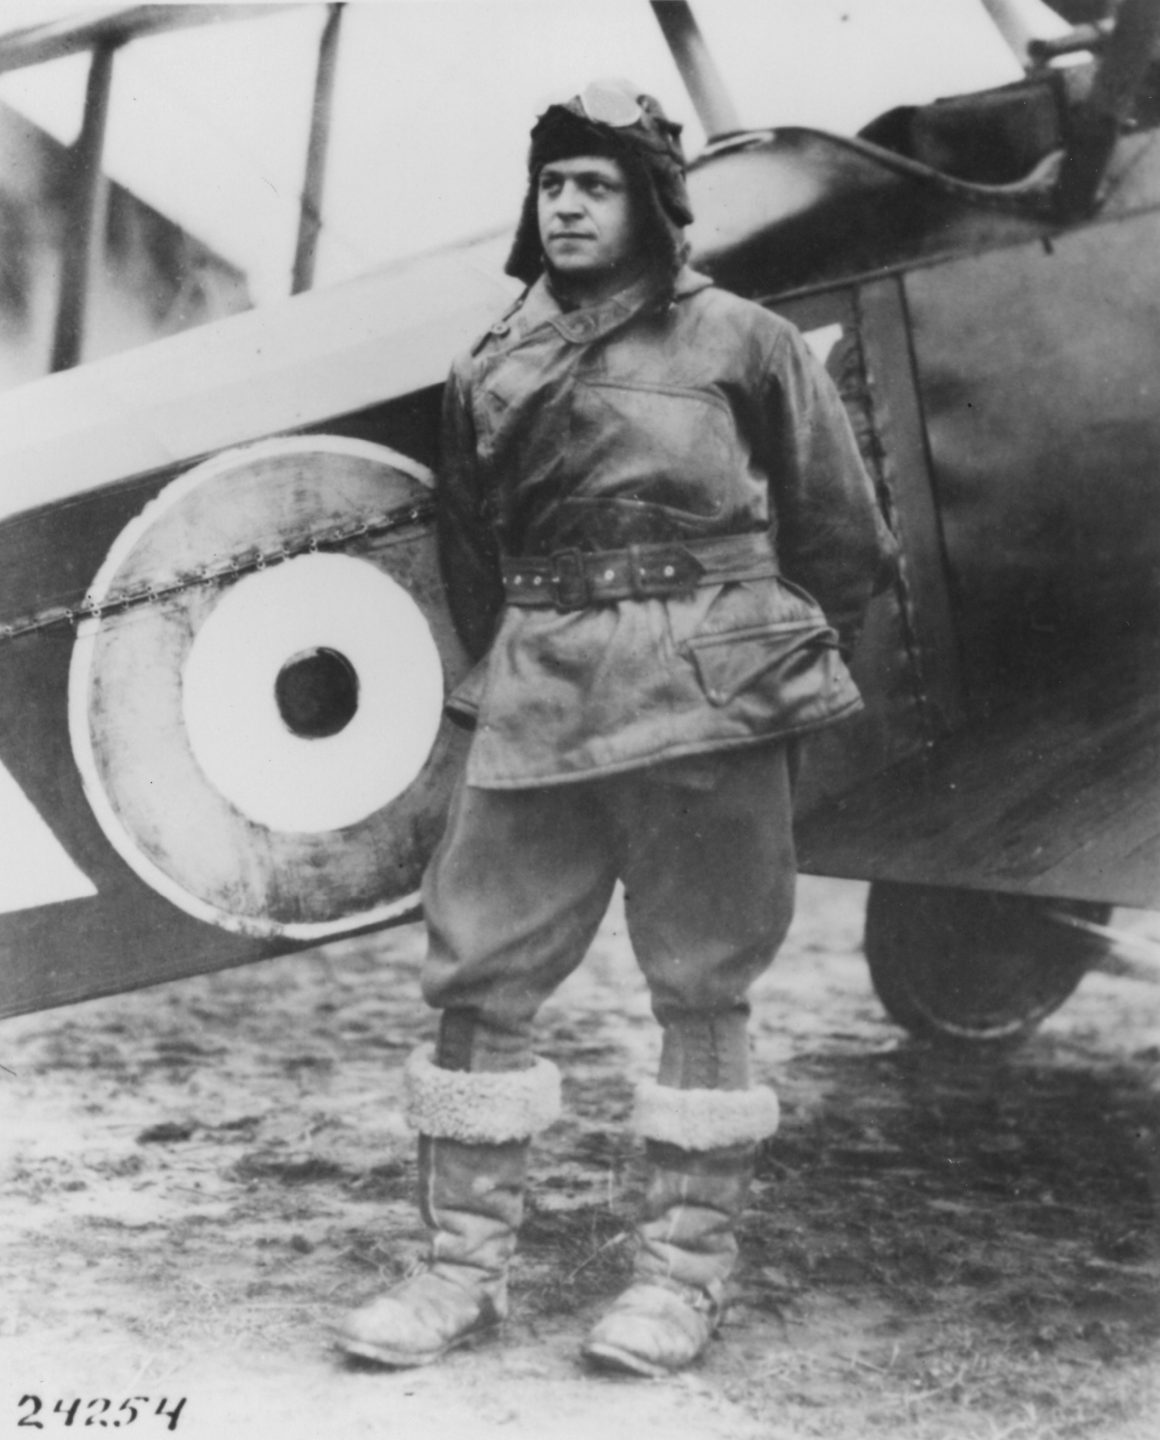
point(501, 327)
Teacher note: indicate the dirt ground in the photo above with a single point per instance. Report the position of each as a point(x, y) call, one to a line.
point(198, 1179)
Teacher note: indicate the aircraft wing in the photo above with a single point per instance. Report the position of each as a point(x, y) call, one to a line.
point(148, 807)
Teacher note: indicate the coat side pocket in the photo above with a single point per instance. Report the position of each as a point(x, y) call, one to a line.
point(794, 663)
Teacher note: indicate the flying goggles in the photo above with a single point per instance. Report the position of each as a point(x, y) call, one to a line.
point(610, 102)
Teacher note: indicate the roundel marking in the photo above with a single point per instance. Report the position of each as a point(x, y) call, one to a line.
point(378, 643)
point(270, 753)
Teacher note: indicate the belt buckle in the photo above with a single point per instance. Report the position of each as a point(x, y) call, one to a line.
point(570, 580)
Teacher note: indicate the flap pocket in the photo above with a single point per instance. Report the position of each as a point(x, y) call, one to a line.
point(784, 656)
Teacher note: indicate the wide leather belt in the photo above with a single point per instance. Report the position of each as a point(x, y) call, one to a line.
point(576, 579)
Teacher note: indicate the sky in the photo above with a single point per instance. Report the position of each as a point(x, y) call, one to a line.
point(435, 98)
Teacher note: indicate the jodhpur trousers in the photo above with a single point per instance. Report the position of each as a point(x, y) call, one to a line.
point(522, 878)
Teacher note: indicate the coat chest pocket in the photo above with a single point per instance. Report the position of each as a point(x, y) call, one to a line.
point(791, 663)
point(669, 447)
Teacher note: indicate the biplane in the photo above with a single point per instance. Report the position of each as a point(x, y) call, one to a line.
point(223, 640)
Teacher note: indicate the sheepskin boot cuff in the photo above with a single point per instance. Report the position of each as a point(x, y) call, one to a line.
point(477, 1107)
point(704, 1120)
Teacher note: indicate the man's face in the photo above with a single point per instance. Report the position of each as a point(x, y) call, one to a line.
point(587, 228)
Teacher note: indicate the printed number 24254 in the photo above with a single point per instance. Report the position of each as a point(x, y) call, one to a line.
point(98, 1412)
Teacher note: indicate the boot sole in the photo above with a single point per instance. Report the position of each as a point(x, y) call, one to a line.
point(408, 1359)
point(612, 1357)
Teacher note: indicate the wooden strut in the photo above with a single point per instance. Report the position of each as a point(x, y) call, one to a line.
point(310, 220)
point(84, 238)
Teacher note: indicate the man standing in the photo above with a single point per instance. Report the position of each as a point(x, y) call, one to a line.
point(658, 539)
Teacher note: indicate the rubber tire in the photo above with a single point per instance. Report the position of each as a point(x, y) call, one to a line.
point(974, 967)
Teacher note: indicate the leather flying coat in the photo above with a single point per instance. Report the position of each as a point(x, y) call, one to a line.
point(660, 415)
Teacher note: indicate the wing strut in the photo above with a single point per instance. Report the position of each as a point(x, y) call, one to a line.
point(1128, 54)
point(1024, 23)
point(310, 221)
point(711, 100)
point(89, 190)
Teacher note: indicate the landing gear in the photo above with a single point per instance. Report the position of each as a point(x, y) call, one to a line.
point(974, 966)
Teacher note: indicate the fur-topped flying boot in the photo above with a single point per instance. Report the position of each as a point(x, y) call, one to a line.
point(474, 1129)
point(700, 1147)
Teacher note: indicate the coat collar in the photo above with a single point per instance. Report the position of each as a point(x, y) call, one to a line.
point(541, 307)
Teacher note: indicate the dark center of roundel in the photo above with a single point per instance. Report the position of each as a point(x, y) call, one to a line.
point(317, 693)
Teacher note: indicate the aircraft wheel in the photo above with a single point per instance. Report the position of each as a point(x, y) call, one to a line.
point(974, 966)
